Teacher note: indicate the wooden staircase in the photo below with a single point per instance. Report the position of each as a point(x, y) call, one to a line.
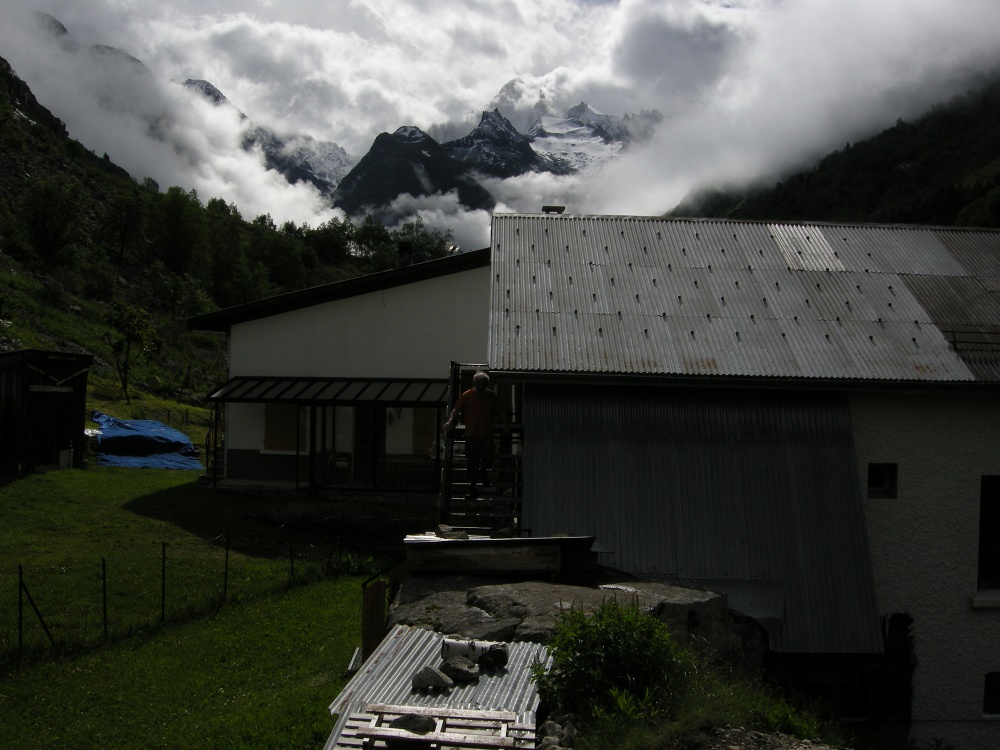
point(497, 506)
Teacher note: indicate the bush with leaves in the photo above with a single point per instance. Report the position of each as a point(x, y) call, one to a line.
point(618, 661)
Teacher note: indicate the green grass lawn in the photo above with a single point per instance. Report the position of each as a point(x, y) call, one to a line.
point(257, 672)
point(64, 517)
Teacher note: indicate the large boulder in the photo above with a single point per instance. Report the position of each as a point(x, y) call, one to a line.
point(484, 609)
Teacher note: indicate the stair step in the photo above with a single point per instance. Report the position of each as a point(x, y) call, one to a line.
point(501, 506)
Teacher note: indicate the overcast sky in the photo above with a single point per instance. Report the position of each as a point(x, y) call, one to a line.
point(750, 87)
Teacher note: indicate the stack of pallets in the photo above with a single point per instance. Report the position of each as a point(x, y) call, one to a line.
point(453, 728)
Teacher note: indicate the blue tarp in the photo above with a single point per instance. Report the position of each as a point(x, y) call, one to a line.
point(143, 443)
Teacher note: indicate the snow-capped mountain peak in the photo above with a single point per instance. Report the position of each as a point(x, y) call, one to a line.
point(410, 134)
point(495, 148)
point(582, 146)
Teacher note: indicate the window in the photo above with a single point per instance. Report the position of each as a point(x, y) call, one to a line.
point(991, 694)
point(882, 480)
point(388, 447)
point(989, 533)
point(285, 427)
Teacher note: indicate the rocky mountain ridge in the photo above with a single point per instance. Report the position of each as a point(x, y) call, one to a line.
point(407, 162)
point(583, 141)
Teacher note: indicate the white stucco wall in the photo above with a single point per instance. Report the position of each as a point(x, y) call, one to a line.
point(414, 330)
point(925, 546)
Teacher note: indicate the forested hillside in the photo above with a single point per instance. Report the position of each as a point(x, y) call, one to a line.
point(90, 255)
point(942, 169)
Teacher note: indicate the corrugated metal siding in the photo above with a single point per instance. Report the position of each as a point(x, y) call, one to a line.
point(386, 676)
point(752, 494)
point(647, 296)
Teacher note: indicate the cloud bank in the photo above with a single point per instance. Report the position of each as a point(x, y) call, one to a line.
point(751, 88)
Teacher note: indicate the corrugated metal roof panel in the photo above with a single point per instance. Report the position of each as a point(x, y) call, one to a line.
point(975, 250)
point(386, 676)
point(651, 296)
point(893, 249)
point(955, 302)
point(805, 248)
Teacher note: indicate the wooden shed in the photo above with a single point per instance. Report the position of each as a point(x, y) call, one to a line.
point(43, 398)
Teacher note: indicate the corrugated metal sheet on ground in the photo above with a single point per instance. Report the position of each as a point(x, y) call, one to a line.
point(386, 676)
point(756, 495)
point(651, 296)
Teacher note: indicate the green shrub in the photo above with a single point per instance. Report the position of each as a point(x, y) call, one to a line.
point(618, 662)
point(774, 715)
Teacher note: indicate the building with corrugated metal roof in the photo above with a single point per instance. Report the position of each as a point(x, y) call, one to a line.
point(804, 416)
point(344, 385)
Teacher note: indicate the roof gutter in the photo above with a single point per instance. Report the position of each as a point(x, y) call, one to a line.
point(661, 380)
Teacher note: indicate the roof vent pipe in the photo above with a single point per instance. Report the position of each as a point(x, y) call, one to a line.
point(405, 252)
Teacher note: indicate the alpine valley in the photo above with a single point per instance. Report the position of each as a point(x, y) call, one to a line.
point(408, 161)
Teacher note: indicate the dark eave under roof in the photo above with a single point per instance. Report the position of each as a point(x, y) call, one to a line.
point(397, 392)
point(221, 321)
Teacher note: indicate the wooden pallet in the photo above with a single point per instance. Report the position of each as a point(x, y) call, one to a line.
point(453, 728)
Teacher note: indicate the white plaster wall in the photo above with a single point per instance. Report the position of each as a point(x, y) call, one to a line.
point(414, 330)
point(925, 546)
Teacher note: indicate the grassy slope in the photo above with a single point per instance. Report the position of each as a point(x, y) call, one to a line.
point(256, 674)
point(944, 168)
point(68, 516)
point(104, 395)
point(38, 312)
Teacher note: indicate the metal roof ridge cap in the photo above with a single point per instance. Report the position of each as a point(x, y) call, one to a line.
point(784, 222)
point(798, 382)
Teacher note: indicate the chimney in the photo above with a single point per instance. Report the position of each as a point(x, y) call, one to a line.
point(405, 251)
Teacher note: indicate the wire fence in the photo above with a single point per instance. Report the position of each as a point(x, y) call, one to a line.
point(57, 610)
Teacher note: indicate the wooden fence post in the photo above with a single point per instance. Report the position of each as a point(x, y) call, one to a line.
point(104, 593)
point(38, 613)
point(163, 584)
point(20, 609)
point(372, 616)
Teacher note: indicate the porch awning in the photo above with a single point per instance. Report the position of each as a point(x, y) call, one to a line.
point(425, 392)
